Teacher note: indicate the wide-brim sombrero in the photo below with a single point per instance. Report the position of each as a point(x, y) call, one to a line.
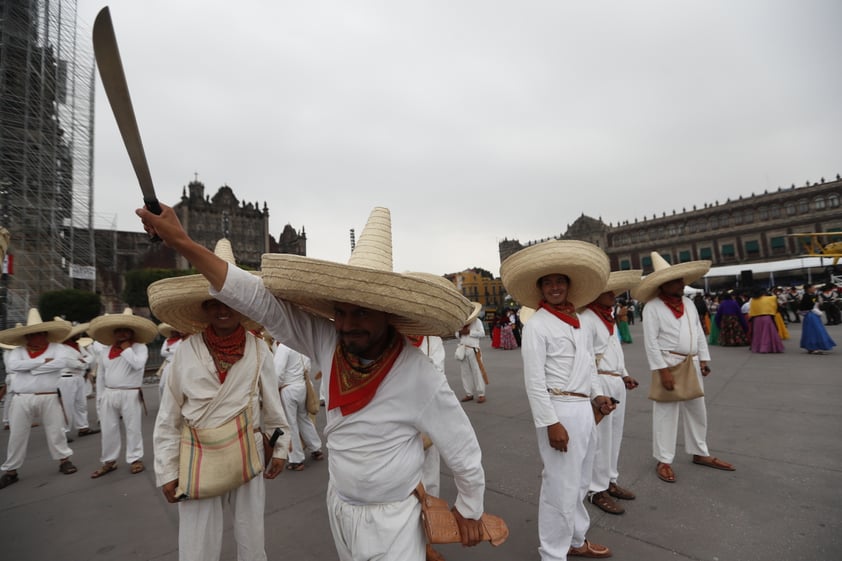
point(585, 264)
point(166, 330)
point(56, 330)
point(525, 313)
point(102, 328)
point(77, 330)
point(177, 301)
point(416, 306)
point(444, 282)
point(689, 272)
point(622, 281)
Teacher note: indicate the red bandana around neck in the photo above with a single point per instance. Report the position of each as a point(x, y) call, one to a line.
point(674, 303)
point(172, 340)
point(416, 340)
point(565, 312)
point(352, 385)
point(114, 352)
point(72, 344)
point(603, 313)
point(35, 353)
point(225, 350)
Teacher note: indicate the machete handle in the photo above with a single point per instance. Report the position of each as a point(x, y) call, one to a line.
point(154, 207)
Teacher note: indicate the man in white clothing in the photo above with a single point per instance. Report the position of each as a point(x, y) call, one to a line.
point(470, 363)
point(211, 381)
point(291, 367)
point(118, 385)
point(382, 394)
point(72, 382)
point(172, 339)
point(36, 362)
point(598, 319)
point(562, 385)
point(671, 333)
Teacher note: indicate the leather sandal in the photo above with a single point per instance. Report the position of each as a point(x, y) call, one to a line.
point(602, 501)
point(467, 398)
point(87, 432)
point(317, 456)
point(137, 466)
point(713, 462)
point(481, 399)
point(66, 467)
point(588, 549)
point(620, 493)
point(8, 479)
point(295, 466)
point(104, 469)
point(665, 472)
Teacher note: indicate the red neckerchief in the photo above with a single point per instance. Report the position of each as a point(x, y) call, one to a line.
point(72, 344)
point(172, 340)
point(416, 340)
point(225, 350)
point(35, 353)
point(674, 303)
point(114, 352)
point(564, 312)
point(352, 385)
point(603, 313)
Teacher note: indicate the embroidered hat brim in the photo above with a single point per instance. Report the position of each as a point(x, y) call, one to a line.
point(585, 264)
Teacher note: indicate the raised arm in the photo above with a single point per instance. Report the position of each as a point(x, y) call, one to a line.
point(167, 227)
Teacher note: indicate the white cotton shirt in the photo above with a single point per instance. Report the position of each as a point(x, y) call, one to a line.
point(39, 374)
point(556, 356)
point(290, 365)
point(376, 453)
point(433, 347)
point(124, 371)
point(663, 332)
point(476, 332)
point(604, 343)
point(78, 362)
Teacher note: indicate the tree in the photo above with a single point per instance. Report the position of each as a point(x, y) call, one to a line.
point(138, 281)
point(71, 304)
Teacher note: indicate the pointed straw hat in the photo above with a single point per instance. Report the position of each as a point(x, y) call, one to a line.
point(56, 330)
point(415, 305)
point(689, 272)
point(77, 330)
point(622, 281)
point(177, 301)
point(584, 263)
point(102, 327)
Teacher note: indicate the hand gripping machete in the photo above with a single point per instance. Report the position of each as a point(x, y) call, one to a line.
point(110, 66)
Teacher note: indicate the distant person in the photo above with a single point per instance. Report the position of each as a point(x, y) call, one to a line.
point(732, 325)
point(764, 333)
point(469, 356)
point(814, 337)
point(672, 332)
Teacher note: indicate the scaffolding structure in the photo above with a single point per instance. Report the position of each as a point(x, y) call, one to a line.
point(46, 152)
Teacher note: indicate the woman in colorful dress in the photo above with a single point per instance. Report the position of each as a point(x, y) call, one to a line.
point(623, 322)
point(814, 337)
point(731, 323)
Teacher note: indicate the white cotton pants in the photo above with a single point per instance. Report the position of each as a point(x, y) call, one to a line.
point(376, 532)
point(114, 404)
point(25, 408)
point(609, 436)
point(431, 471)
point(301, 427)
point(200, 522)
point(472, 381)
point(75, 401)
point(563, 520)
point(665, 428)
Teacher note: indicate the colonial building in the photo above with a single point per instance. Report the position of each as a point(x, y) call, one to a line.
point(481, 288)
point(737, 231)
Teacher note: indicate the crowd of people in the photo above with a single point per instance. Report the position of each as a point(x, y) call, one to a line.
point(241, 352)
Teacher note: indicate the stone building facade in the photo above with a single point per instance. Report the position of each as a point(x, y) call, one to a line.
point(744, 230)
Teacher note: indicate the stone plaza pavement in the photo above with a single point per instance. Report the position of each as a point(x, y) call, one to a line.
point(776, 417)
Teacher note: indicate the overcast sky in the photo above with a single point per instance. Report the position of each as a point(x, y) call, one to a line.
point(473, 121)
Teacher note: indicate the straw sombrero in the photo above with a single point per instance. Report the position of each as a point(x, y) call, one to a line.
point(57, 329)
point(102, 328)
point(477, 307)
point(76, 330)
point(584, 263)
point(166, 330)
point(415, 305)
point(621, 281)
point(177, 301)
point(664, 272)
point(525, 313)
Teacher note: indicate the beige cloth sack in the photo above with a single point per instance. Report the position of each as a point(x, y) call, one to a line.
point(686, 385)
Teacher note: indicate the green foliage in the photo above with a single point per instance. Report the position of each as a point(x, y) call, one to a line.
point(483, 273)
point(71, 304)
point(137, 281)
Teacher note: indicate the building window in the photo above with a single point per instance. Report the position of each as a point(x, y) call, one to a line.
point(671, 230)
point(776, 211)
point(790, 209)
point(748, 217)
point(737, 218)
point(778, 245)
point(752, 248)
point(764, 213)
point(684, 256)
point(646, 261)
point(713, 223)
point(625, 265)
point(819, 203)
point(705, 253)
point(667, 257)
point(803, 205)
point(728, 250)
point(833, 200)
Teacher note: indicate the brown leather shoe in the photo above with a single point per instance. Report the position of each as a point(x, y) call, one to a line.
point(665, 472)
point(467, 398)
point(606, 503)
point(588, 549)
point(620, 493)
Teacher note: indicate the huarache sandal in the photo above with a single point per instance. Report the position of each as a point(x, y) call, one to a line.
point(87, 432)
point(104, 469)
point(295, 466)
point(665, 472)
point(318, 455)
point(66, 467)
point(620, 493)
point(8, 479)
point(481, 399)
point(588, 549)
point(712, 462)
point(602, 501)
point(467, 398)
point(137, 466)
